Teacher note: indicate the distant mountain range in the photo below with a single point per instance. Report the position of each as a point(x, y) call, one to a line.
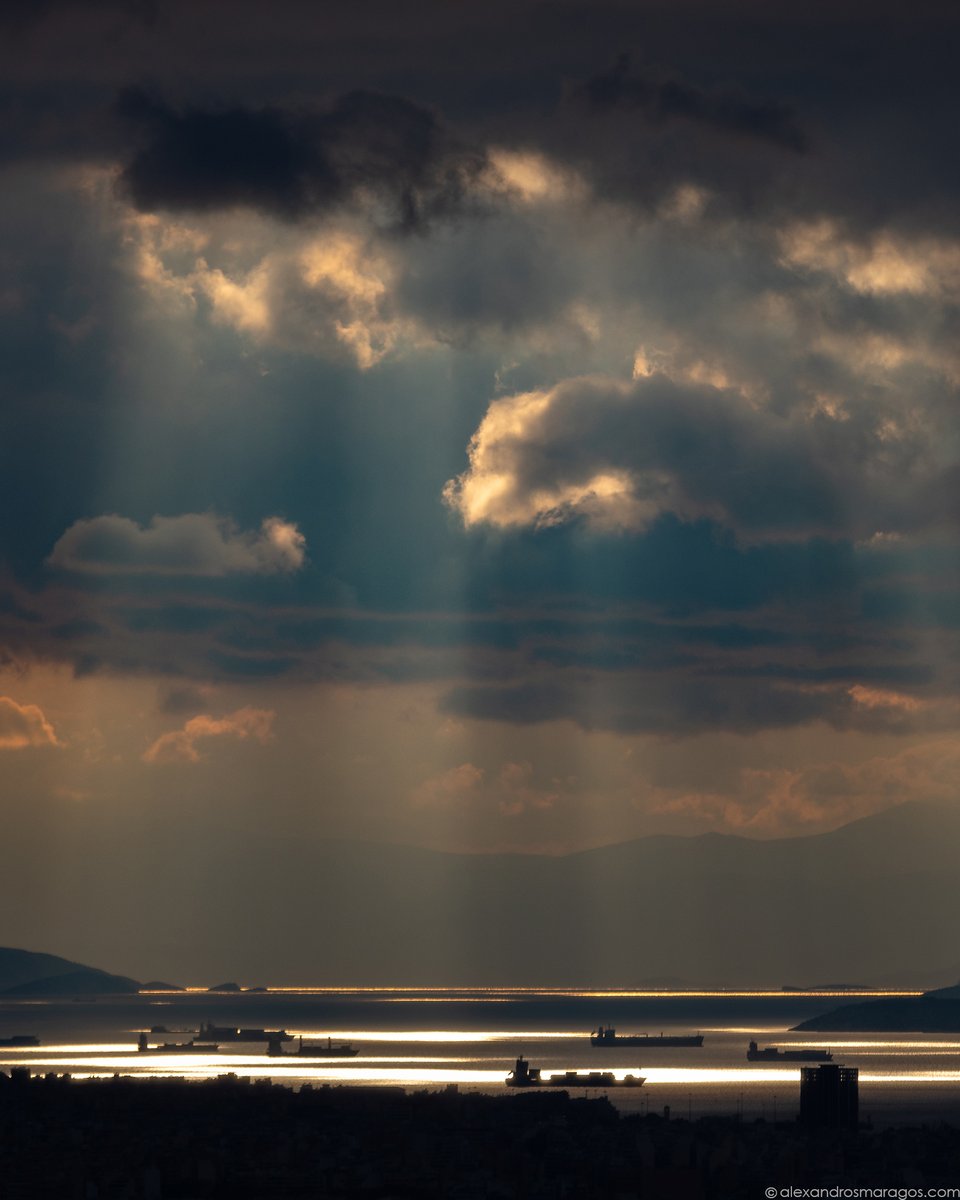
point(872, 902)
point(875, 901)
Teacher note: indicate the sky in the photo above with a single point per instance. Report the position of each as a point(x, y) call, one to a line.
point(504, 427)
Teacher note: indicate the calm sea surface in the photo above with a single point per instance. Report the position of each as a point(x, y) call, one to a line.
point(428, 1039)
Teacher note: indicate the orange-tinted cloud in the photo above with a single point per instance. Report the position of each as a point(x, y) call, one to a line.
point(782, 801)
point(512, 792)
point(180, 746)
point(518, 792)
point(23, 725)
point(448, 788)
point(869, 697)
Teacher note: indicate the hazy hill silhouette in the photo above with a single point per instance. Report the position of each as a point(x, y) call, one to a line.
point(26, 973)
point(865, 901)
point(936, 1011)
point(872, 901)
point(909, 1014)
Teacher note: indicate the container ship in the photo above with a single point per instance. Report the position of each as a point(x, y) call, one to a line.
point(609, 1037)
point(523, 1075)
point(143, 1045)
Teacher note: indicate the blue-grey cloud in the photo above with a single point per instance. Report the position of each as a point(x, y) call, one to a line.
point(190, 544)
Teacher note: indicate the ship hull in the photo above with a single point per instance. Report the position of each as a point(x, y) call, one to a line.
point(220, 1033)
point(186, 1048)
point(525, 1076)
point(643, 1039)
point(820, 1056)
point(592, 1079)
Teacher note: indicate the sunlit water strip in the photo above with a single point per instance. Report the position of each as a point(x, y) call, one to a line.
point(899, 1044)
point(411, 1070)
point(8, 1053)
point(441, 1035)
point(412, 1076)
point(493, 993)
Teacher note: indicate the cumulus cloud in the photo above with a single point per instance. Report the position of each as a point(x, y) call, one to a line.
point(201, 544)
point(880, 263)
point(181, 745)
point(621, 454)
point(24, 725)
point(329, 293)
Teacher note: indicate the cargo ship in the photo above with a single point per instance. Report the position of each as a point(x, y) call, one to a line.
point(20, 1039)
point(523, 1075)
point(775, 1054)
point(312, 1049)
point(143, 1045)
point(609, 1037)
point(227, 1033)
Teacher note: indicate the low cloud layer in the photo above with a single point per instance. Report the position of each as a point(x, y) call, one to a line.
point(684, 702)
point(200, 544)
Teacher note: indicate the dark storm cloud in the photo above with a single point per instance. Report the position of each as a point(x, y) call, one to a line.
point(875, 99)
point(680, 705)
point(295, 164)
point(23, 13)
point(680, 568)
point(663, 99)
point(102, 410)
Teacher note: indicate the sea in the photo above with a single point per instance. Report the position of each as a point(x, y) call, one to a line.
point(434, 1038)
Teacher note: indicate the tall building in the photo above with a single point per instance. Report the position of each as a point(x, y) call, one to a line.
point(829, 1096)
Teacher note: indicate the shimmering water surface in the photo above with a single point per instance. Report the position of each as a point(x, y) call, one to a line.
point(431, 1038)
